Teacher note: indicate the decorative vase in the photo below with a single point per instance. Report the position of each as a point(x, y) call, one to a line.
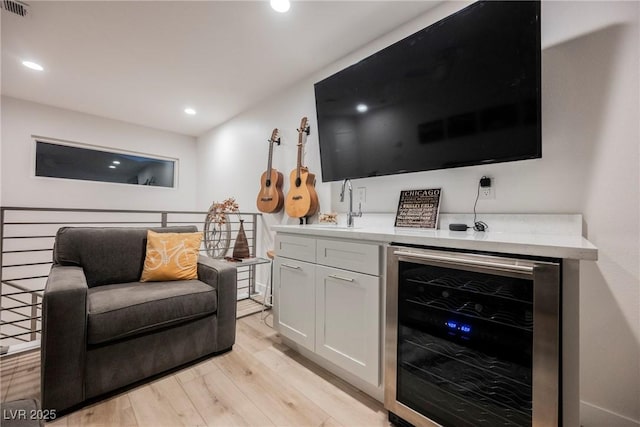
point(241, 247)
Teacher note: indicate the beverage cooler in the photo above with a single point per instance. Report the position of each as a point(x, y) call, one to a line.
point(471, 339)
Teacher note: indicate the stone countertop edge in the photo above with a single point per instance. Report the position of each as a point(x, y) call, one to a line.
point(543, 245)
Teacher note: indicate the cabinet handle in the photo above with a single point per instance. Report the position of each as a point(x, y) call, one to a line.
point(346, 279)
point(295, 267)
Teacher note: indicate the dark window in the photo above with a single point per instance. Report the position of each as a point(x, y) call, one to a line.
point(64, 161)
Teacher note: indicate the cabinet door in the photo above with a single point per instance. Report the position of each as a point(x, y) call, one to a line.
point(348, 321)
point(294, 302)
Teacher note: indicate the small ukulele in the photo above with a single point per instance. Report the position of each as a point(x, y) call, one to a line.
point(271, 198)
point(302, 199)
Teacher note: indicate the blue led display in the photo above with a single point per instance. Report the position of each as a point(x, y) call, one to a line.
point(455, 326)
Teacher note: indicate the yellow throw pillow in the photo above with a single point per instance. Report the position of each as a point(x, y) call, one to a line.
point(171, 256)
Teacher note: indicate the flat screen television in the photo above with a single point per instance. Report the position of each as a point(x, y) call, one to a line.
point(463, 91)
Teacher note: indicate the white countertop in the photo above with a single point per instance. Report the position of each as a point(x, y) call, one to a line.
point(535, 244)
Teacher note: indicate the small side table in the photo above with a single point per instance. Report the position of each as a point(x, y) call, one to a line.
point(247, 280)
point(268, 292)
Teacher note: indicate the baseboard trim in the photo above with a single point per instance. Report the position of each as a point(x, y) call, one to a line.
point(595, 416)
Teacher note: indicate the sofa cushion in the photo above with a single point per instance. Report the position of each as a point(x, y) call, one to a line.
point(109, 254)
point(171, 256)
point(124, 310)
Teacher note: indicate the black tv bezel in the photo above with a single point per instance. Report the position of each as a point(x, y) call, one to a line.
point(536, 155)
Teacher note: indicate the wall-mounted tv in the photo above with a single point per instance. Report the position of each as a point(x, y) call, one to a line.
point(463, 91)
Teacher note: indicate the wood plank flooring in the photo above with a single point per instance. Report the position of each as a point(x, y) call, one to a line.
point(246, 307)
point(261, 382)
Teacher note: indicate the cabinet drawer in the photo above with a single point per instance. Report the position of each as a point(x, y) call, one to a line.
point(360, 257)
point(295, 247)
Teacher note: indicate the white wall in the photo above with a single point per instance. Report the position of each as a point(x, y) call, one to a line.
point(598, 102)
point(20, 187)
point(589, 165)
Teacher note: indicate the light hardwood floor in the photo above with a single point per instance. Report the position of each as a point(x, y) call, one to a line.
point(260, 382)
point(248, 306)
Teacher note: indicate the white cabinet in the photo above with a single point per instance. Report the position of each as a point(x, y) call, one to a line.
point(347, 320)
point(330, 303)
point(295, 292)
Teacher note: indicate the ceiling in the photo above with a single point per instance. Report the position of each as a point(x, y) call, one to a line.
point(144, 62)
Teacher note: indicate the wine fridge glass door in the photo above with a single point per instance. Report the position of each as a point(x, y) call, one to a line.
point(463, 340)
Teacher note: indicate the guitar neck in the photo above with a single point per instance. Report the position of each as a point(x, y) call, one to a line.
point(299, 167)
point(270, 158)
point(302, 135)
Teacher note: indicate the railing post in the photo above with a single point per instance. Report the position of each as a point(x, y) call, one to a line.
point(254, 234)
point(163, 219)
point(252, 273)
point(34, 315)
point(1, 251)
point(3, 349)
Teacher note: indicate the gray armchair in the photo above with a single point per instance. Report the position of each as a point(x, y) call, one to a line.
point(102, 329)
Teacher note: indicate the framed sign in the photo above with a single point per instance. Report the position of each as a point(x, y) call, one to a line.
point(419, 208)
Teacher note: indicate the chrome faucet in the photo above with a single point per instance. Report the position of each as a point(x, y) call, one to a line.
point(351, 214)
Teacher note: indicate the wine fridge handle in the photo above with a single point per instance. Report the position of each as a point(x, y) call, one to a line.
point(467, 261)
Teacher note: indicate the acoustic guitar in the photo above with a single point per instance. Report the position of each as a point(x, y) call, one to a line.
point(302, 199)
point(271, 198)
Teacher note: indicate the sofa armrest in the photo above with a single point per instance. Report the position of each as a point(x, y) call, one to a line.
point(64, 338)
point(222, 276)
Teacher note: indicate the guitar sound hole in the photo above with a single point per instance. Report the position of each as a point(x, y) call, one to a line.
point(268, 183)
point(298, 182)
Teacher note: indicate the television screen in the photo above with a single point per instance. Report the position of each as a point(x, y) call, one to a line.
point(463, 91)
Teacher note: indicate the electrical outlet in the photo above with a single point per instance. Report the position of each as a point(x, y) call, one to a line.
point(487, 193)
point(361, 195)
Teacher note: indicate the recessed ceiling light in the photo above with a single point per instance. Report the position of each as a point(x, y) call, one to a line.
point(32, 65)
point(111, 167)
point(281, 6)
point(362, 108)
point(190, 111)
point(116, 162)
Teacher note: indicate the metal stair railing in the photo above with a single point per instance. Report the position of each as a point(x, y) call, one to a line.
point(26, 245)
